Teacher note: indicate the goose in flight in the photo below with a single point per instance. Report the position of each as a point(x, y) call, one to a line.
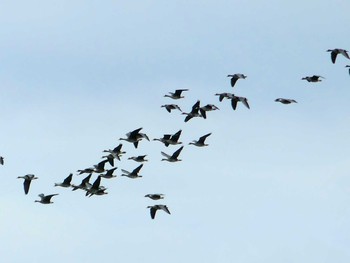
point(174, 139)
point(224, 95)
point(83, 185)
point(116, 152)
point(154, 208)
point(201, 141)
point(1, 160)
point(236, 77)
point(109, 173)
point(97, 168)
point(170, 107)
point(164, 139)
point(314, 78)
point(170, 139)
point(135, 136)
point(27, 180)
point(45, 199)
point(176, 95)
point(66, 182)
point(194, 112)
point(285, 101)
point(237, 99)
point(134, 174)
point(110, 159)
point(139, 159)
point(336, 51)
point(96, 189)
point(155, 196)
point(348, 66)
point(172, 158)
point(208, 107)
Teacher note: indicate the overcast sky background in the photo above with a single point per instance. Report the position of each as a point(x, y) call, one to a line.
point(272, 186)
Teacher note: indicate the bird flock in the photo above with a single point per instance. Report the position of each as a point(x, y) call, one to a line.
point(136, 136)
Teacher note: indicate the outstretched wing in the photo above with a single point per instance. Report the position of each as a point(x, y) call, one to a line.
point(177, 152)
point(68, 179)
point(334, 56)
point(26, 185)
point(202, 139)
point(234, 101)
point(233, 80)
point(165, 155)
point(164, 208)
point(153, 212)
point(137, 169)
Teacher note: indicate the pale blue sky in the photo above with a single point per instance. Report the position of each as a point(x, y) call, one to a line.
point(273, 184)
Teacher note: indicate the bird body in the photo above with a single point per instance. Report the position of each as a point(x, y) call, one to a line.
point(285, 101)
point(224, 95)
point(66, 182)
point(135, 136)
point(116, 152)
point(194, 112)
point(236, 77)
point(96, 189)
point(176, 95)
point(336, 51)
point(201, 141)
point(208, 107)
point(45, 199)
point(109, 173)
point(139, 159)
point(83, 185)
point(155, 196)
point(27, 180)
point(236, 99)
point(169, 139)
point(174, 157)
point(134, 174)
point(154, 208)
point(170, 107)
point(314, 78)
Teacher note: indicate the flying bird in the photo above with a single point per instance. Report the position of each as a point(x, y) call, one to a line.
point(116, 152)
point(45, 199)
point(170, 107)
point(176, 95)
point(1, 160)
point(236, 77)
point(194, 112)
point(201, 141)
point(224, 95)
point(314, 78)
point(134, 174)
point(139, 159)
point(285, 101)
point(172, 158)
point(109, 173)
point(83, 185)
point(169, 139)
point(97, 168)
point(66, 182)
point(155, 196)
point(154, 208)
point(96, 189)
point(348, 66)
point(135, 136)
point(27, 180)
point(237, 99)
point(335, 52)
point(208, 107)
